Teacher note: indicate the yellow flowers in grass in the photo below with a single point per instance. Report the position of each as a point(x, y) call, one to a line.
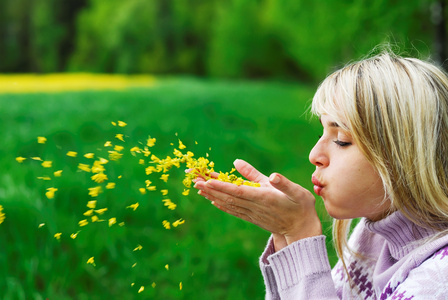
point(65, 82)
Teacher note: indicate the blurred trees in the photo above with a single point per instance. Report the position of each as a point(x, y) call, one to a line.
point(225, 38)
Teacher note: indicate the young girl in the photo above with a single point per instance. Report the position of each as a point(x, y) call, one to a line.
point(382, 157)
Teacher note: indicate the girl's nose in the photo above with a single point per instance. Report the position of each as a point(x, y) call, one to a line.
point(318, 156)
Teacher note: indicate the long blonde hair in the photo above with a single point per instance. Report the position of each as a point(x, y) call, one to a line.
point(396, 110)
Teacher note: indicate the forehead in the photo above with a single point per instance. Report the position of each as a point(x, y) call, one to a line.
point(333, 122)
point(326, 120)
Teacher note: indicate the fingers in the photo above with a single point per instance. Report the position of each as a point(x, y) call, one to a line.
point(248, 171)
point(289, 188)
point(228, 205)
point(237, 191)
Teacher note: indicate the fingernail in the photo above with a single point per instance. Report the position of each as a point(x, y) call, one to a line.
point(274, 178)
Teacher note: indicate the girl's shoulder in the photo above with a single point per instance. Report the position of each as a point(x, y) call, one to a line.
point(427, 280)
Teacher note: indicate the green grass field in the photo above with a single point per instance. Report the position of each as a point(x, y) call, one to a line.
point(214, 255)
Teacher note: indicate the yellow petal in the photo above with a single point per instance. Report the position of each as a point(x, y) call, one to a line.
point(47, 164)
point(89, 155)
point(112, 221)
point(88, 213)
point(101, 210)
point(91, 261)
point(72, 153)
point(50, 192)
point(133, 206)
point(20, 159)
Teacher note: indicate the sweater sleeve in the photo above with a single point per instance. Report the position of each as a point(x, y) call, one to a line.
point(298, 271)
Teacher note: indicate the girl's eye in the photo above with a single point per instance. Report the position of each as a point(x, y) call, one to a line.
point(342, 144)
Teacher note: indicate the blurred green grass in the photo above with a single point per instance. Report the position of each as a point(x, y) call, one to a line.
point(214, 255)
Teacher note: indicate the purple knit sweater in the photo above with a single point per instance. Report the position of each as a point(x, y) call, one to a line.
point(399, 261)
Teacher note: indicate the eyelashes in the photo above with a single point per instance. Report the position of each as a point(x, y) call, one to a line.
point(341, 143)
point(337, 142)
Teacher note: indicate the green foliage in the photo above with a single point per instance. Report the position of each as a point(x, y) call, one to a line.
point(214, 255)
point(292, 39)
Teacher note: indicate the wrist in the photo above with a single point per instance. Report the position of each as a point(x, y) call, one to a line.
point(279, 241)
point(309, 231)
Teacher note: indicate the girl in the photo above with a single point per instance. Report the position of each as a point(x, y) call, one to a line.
point(382, 157)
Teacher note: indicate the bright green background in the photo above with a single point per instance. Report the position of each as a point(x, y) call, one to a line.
point(288, 39)
point(214, 255)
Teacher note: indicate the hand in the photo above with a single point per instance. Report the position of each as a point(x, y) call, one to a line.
point(279, 205)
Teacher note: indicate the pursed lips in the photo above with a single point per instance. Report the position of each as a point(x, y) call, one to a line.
point(317, 185)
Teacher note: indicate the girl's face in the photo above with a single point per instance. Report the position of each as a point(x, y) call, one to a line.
point(346, 181)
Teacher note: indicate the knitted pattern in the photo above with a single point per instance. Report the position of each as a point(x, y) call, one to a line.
point(398, 260)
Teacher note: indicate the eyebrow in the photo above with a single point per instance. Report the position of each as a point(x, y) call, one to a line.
point(331, 124)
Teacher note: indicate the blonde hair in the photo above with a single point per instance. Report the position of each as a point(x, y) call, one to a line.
point(396, 110)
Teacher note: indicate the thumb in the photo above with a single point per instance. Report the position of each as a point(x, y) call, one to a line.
point(286, 186)
point(248, 171)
